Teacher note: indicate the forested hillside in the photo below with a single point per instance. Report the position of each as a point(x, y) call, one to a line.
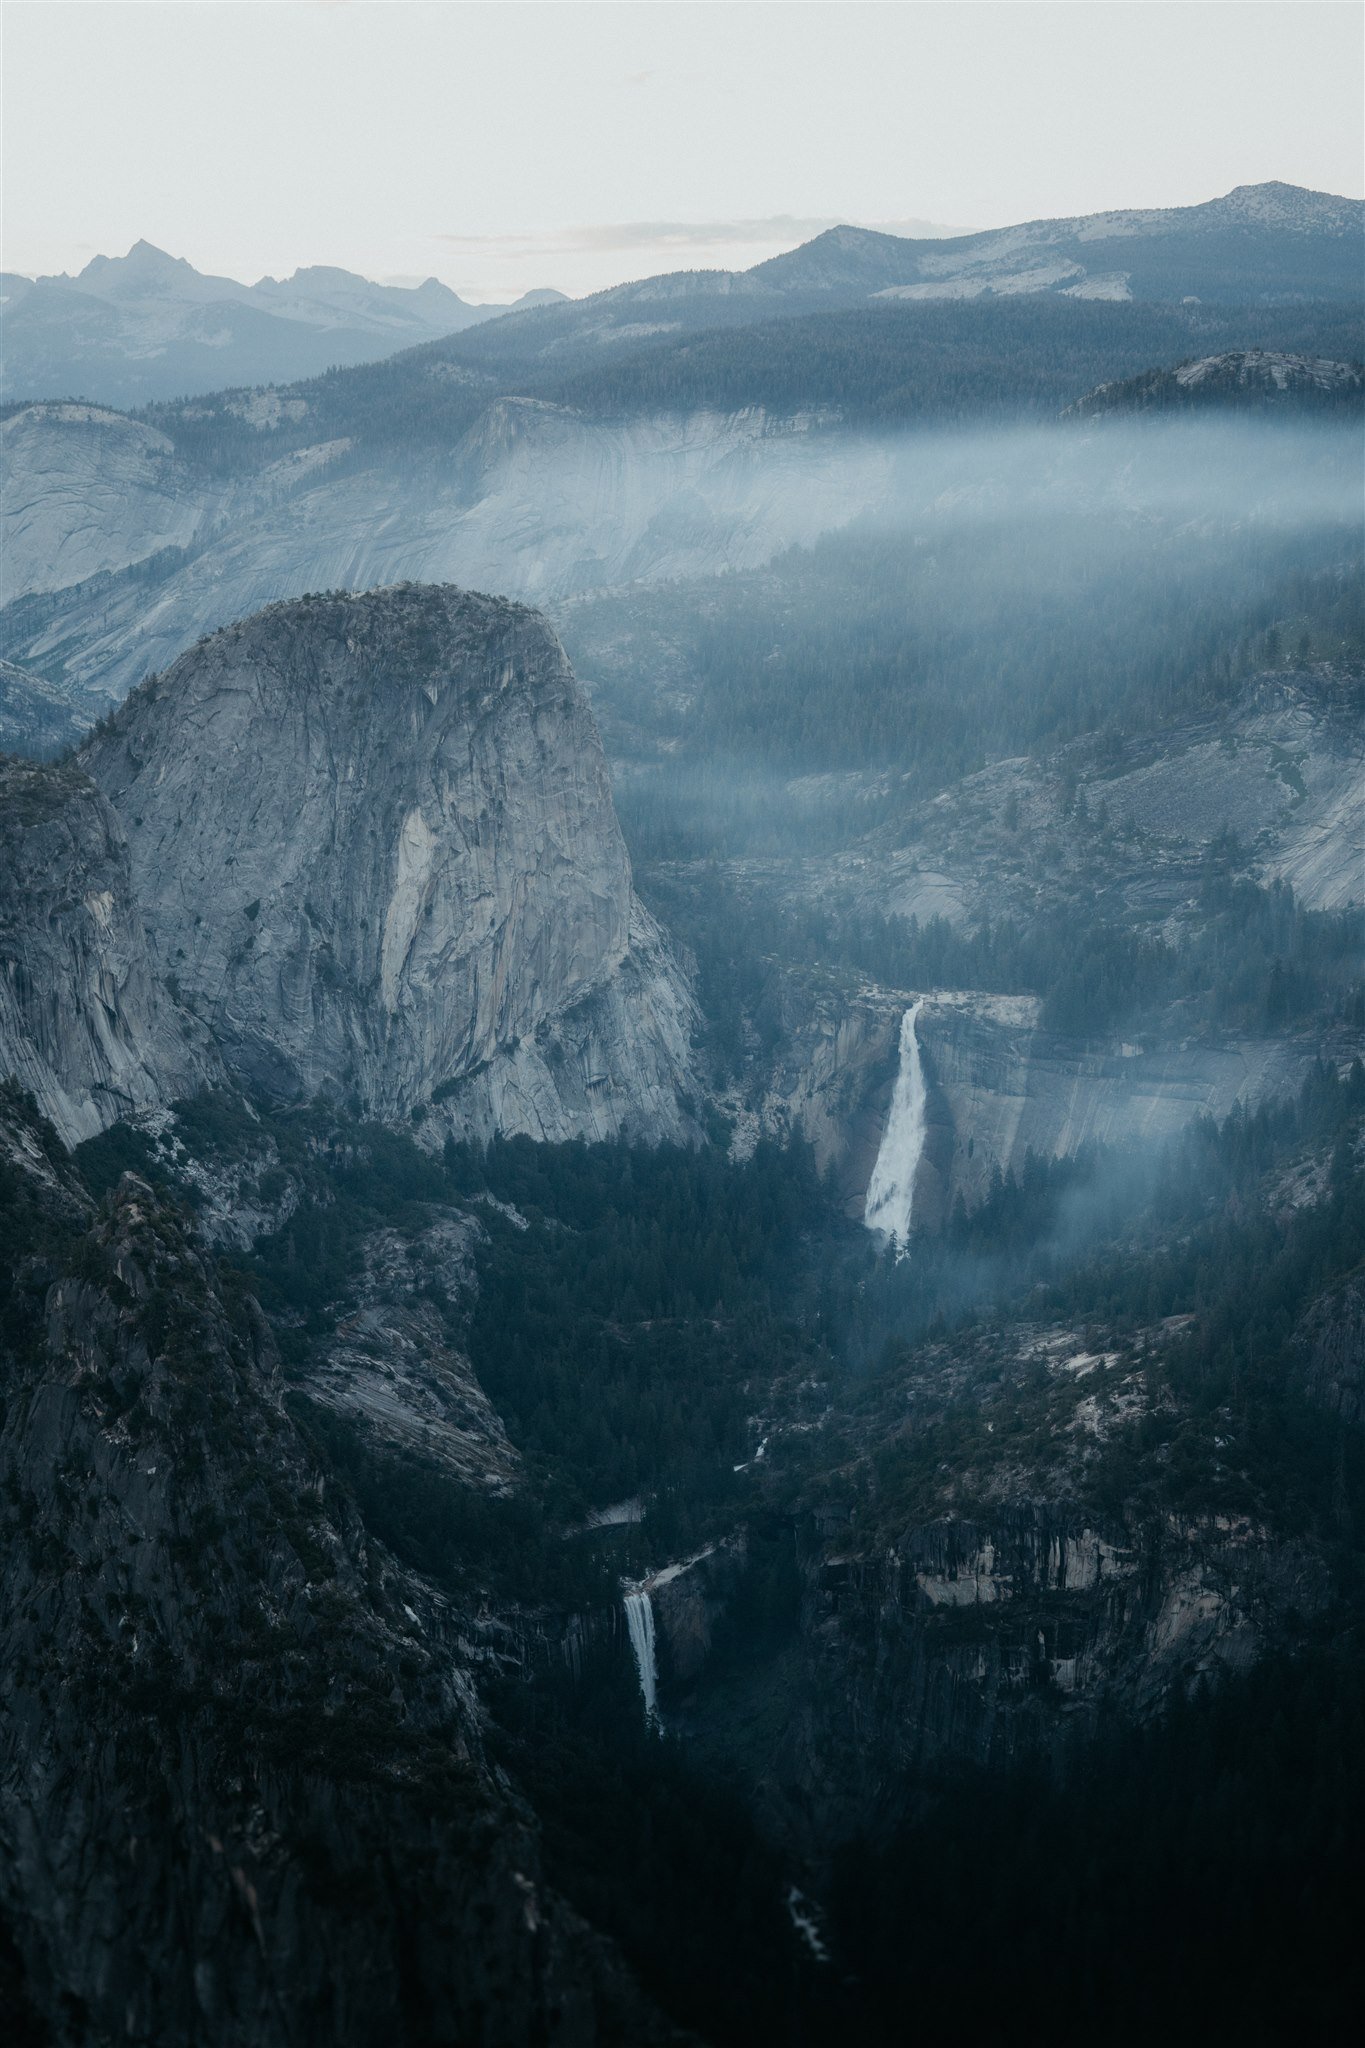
point(682, 1162)
point(866, 366)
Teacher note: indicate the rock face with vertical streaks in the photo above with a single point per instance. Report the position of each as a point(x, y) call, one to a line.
point(84, 1026)
point(374, 847)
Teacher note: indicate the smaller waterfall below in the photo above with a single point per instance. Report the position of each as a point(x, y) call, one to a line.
point(640, 1622)
point(891, 1190)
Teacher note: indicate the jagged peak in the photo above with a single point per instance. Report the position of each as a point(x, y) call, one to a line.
point(144, 251)
point(144, 257)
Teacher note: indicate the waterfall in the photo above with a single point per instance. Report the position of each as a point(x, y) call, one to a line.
point(891, 1190)
point(640, 1621)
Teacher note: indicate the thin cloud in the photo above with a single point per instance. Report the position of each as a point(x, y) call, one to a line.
point(623, 237)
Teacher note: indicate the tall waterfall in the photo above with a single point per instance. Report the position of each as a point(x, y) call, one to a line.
point(891, 1190)
point(640, 1621)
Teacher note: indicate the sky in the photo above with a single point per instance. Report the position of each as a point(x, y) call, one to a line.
point(509, 145)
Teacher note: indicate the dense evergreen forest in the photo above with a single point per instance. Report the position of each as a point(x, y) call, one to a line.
point(634, 1305)
point(700, 1355)
point(1251, 959)
point(934, 650)
point(870, 367)
point(624, 1334)
point(1197, 1878)
point(949, 362)
point(1198, 1875)
point(631, 1301)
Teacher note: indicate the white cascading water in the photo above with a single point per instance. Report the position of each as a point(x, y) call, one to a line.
point(640, 1621)
point(891, 1190)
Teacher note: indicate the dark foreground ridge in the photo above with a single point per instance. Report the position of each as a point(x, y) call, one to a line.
point(235, 1731)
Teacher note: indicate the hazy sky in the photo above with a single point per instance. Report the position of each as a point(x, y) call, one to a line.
point(508, 145)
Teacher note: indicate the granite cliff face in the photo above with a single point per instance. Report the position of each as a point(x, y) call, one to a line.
point(1007, 1637)
point(243, 1795)
point(88, 490)
point(1000, 1087)
point(535, 500)
point(84, 1025)
point(373, 844)
point(388, 1368)
point(36, 719)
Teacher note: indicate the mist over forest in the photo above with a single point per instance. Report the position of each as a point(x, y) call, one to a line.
point(682, 1151)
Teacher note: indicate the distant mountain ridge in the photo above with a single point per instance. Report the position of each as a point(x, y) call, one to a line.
point(131, 329)
point(1257, 245)
point(147, 327)
point(1016, 258)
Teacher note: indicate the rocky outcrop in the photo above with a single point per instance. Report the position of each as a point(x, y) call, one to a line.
point(373, 844)
point(38, 720)
point(536, 501)
point(88, 490)
point(1331, 1346)
point(1007, 1636)
point(1263, 379)
point(1285, 772)
point(243, 1797)
point(999, 1088)
point(991, 1639)
point(688, 1600)
point(84, 1025)
point(1003, 1088)
point(390, 1370)
point(831, 1080)
point(595, 504)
